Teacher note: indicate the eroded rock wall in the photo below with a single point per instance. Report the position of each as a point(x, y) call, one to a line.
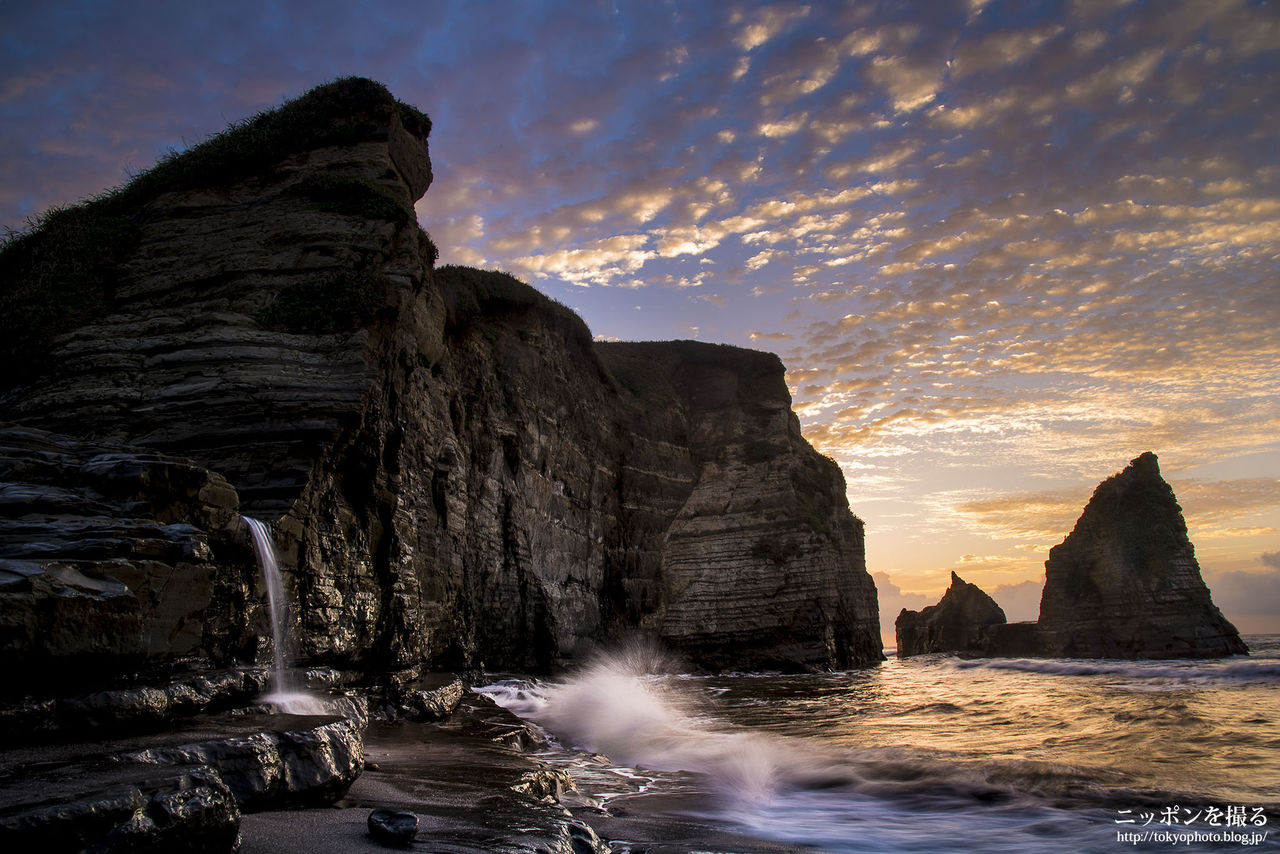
point(455, 474)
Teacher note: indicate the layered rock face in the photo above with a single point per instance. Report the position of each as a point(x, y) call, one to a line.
point(456, 475)
point(961, 622)
point(1125, 583)
point(741, 530)
point(108, 560)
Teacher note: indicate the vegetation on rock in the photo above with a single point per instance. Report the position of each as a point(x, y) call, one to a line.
point(63, 269)
point(470, 293)
point(337, 303)
point(350, 196)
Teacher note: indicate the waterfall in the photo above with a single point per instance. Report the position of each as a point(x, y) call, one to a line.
point(283, 693)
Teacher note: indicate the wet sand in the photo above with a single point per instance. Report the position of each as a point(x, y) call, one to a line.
point(459, 782)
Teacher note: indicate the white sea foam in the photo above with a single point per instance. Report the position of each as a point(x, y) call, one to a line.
point(919, 756)
point(623, 707)
point(1266, 671)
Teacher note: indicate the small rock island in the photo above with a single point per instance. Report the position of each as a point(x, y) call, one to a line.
point(1124, 584)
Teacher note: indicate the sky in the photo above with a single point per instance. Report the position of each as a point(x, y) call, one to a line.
point(1002, 247)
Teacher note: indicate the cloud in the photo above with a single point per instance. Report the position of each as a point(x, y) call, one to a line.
point(910, 85)
point(1001, 49)
point(892, 601)
point(764, 24)
point(1020, 602)
point(1247, 594)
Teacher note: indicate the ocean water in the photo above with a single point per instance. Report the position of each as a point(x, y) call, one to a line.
point(933, 753)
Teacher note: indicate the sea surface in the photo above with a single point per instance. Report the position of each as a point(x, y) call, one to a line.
point(933, 753)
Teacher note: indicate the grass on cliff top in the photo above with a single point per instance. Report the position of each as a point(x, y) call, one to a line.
point(62, 270)
point(342, 112)
point(471, 294)
point(648, 369)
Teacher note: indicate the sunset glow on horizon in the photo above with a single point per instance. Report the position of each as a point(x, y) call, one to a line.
point(1002, 247)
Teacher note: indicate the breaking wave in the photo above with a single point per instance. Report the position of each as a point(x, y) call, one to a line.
point(632, 709)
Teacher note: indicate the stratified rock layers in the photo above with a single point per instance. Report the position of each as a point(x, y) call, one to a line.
point(1125, 583)
point(457, 475)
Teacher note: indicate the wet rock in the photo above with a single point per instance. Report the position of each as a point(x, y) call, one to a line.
point(393, 827)
point(1126, 584)
point(481, 718)
point(302, 761)
point(547, 784)
point(960, 623)
point(87, 808)
point(433, 703)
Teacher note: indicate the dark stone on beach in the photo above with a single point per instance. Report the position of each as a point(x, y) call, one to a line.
point(959, 623)
point(1126, 584)
point(393, 827)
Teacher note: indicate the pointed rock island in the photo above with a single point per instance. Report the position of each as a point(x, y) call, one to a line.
point(958, 623)
point(1125, 583)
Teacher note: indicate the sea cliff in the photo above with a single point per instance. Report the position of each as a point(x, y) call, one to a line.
point(456, 475)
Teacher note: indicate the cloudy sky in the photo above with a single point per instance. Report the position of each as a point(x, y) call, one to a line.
point(1003, 247)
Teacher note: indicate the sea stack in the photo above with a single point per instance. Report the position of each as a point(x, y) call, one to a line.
point(958, 623)
point(1125, 583)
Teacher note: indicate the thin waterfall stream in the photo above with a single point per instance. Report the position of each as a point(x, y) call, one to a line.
point(283, 693)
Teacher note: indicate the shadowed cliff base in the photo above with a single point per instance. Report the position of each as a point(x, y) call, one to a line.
point(1125, 583)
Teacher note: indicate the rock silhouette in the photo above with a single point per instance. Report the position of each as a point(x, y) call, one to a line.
point(1126, 584)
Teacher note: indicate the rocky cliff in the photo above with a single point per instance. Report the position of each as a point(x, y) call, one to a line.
point(455, 473)
point(1125, 583)
point(960, 623)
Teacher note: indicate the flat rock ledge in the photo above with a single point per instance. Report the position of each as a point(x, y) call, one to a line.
point(86, 807)
point(119, 711)
point(307, 761)
point(178, 791)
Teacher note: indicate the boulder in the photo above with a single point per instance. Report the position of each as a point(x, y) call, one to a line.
point(435, 700)
point(393, 827)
